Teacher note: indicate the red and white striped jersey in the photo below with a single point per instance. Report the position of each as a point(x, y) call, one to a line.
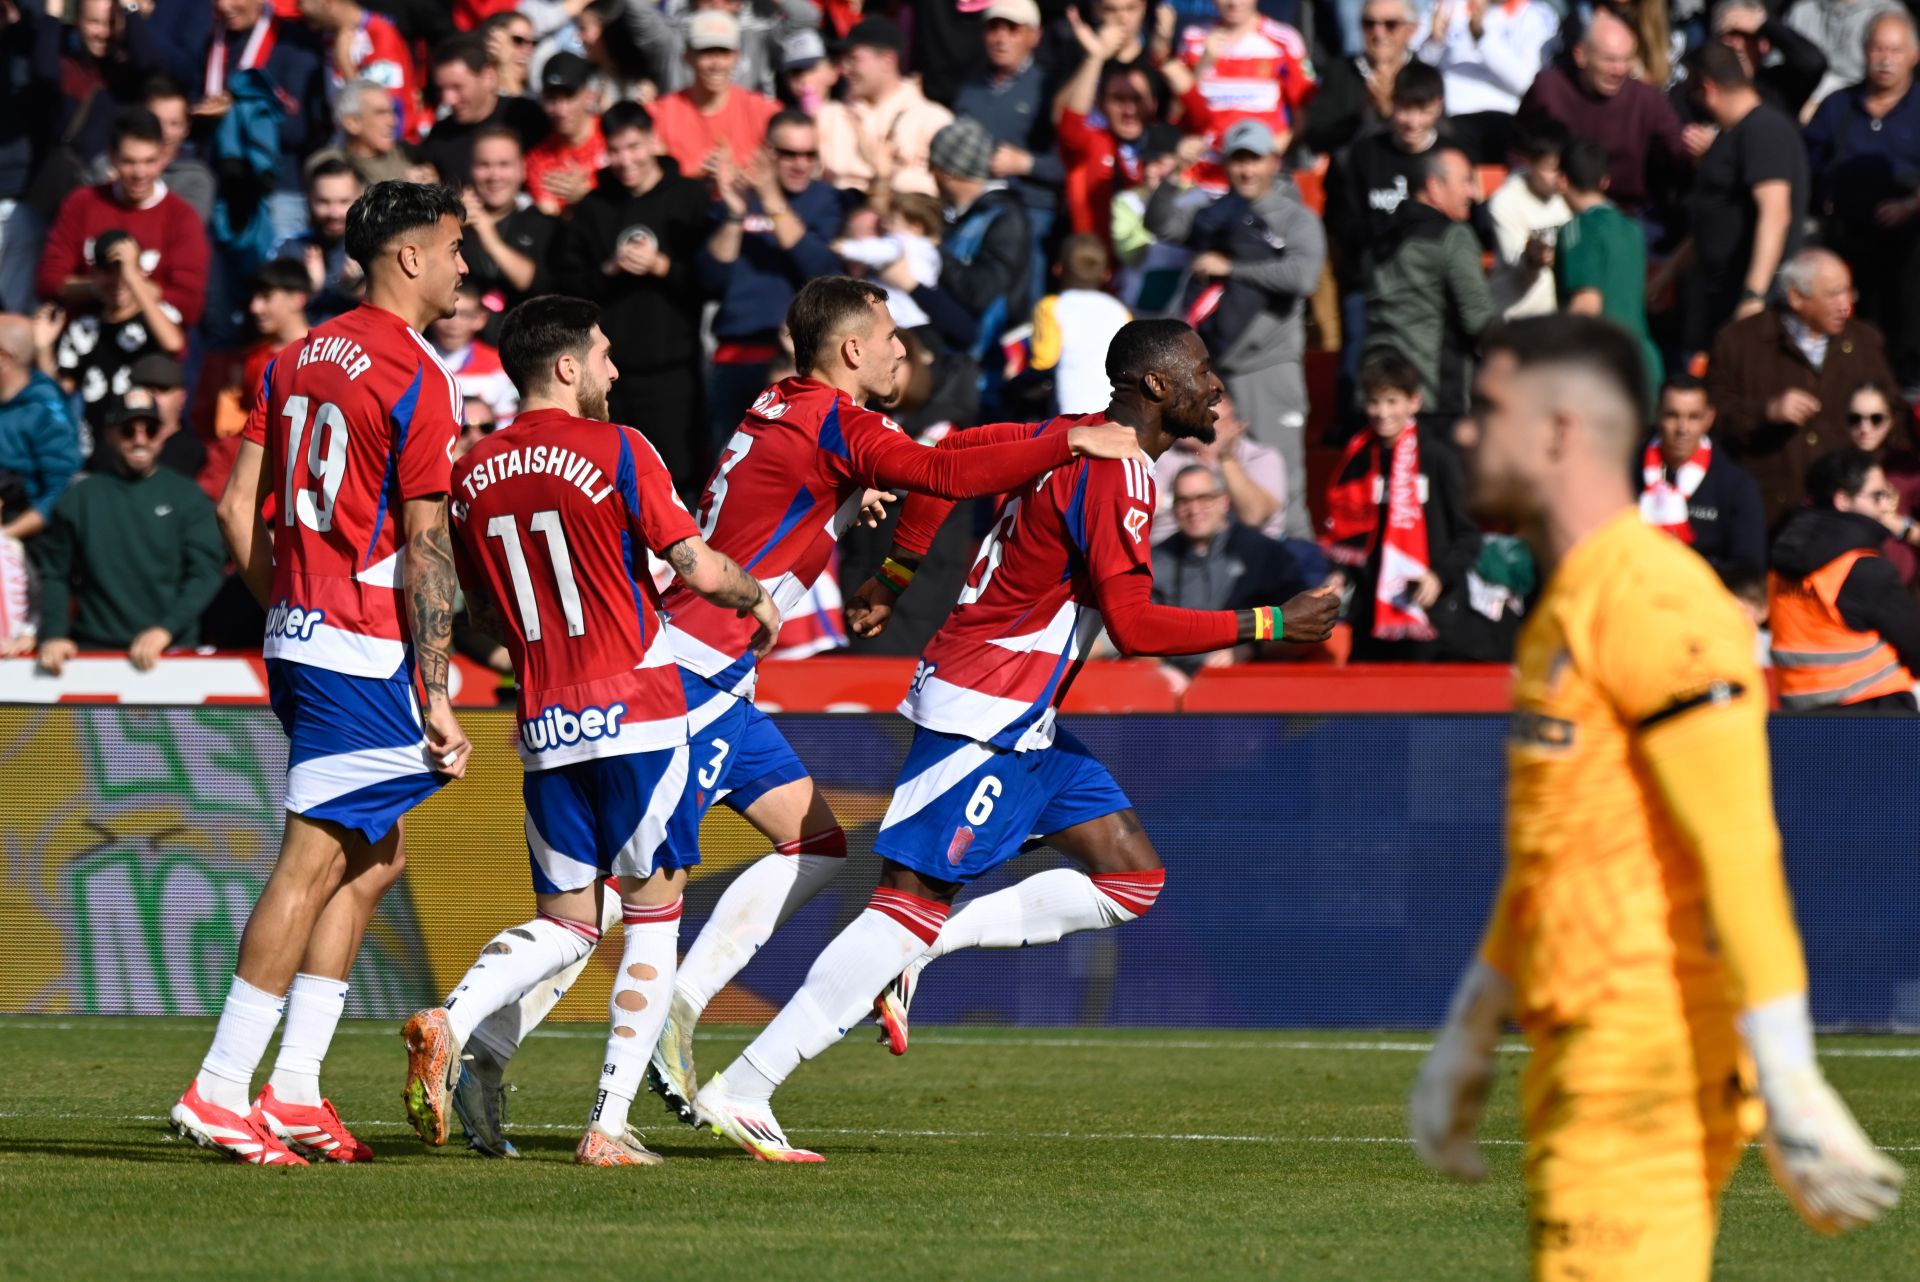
point(554, 516)
point(356, 419)
point(1000, 665)
point(1264, 74)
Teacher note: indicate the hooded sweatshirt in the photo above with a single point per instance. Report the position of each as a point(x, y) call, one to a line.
point(1872, 599)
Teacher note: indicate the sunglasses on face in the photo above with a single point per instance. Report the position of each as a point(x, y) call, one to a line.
point(140, 427)
point(788, 153)
point(1383, 24)
point(1861, 420)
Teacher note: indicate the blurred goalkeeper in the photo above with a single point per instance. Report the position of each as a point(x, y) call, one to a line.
point(1642, 937)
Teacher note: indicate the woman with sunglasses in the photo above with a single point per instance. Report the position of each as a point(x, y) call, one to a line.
point(1877, 422)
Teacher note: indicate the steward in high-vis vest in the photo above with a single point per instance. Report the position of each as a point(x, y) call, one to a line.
point(1846, 631)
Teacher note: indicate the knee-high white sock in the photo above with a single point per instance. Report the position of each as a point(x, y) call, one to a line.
point(240, 1040)
point(862, 959)
point(501, 1033)
point(518, 959)
point(1046, 906)
point(314, 1007)
point(638, 1009)
point(757, 903)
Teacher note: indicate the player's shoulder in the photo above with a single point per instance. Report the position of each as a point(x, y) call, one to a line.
point(1282, 36)
point(1655, 613)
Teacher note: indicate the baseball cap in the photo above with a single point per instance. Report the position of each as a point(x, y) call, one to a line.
point(1248, 135)
point(713, 29)
point(153, 370)
point(875, 33)
point(803, 49)
point(963, 149)
point(565, 73)
point(137, 405)
point(1021, 13)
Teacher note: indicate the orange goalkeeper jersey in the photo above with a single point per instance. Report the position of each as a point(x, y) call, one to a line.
point(1642, 855)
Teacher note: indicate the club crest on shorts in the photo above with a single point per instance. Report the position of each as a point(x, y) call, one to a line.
point(957, 848)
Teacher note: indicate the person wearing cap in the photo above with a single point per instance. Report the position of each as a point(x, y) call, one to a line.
point(94, 355)
point(1013, 97)
point(132, 554)
point(986, 256)
point(662, 33)
point(807, 75)
point(567, 162)
point(713, 114)
point(884, 127)
point(1258, 254)
point(163, 378)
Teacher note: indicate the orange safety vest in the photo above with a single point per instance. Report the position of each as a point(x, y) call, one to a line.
point(1823, 663)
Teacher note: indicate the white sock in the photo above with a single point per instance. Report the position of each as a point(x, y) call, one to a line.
point(1046, 906)
point(516, 961)
point(314, 1007)
point(757, 903)
point(839, 990)
point(501, 1033)
point(637, 1009)
point(240, 1040)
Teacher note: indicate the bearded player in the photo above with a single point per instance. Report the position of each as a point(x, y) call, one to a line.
point(1642, 937)
point(554, 517)
point(988, 768)
point(792, 479)
point(353, 439)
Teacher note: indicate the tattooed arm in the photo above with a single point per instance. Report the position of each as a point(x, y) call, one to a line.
point(430, 584)
point(713, 575)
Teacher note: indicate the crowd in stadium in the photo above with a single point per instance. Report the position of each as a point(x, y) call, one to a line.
point(1341, 195)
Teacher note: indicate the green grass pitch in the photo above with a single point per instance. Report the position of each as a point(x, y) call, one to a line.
point(984, 1154)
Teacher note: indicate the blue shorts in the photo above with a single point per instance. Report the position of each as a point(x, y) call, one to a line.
point(739, 756)
point(621, 815)
point(356, 750)
point(961, 809)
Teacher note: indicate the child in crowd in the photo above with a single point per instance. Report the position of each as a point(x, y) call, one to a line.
point(475, 365)
point(1073, 328)
point(909, 229)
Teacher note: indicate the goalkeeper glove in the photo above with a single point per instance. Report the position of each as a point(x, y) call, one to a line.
point(1820, 1157)
point(1451, 1092)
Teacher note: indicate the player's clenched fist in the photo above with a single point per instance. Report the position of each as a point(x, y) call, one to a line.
point(1104, 440)
point(447, 745)
point(1310, 616)
point(1451, 1092)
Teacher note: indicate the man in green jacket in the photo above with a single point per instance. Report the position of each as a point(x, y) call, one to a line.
point(132, 555)
point(1429, 299)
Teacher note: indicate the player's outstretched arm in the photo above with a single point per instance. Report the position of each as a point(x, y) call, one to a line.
point(1020, 454)
point(430, 585)
point(240, 524)
point(714, 576)
point(1450, 1095)
point(1139, 626)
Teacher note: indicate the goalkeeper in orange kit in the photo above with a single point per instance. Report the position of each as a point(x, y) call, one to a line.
point(1642, 936)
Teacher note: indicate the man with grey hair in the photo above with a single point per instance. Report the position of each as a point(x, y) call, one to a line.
point(1863, 148)
point(1839, 29)
point(1781, 379)
point(1356, 94)
point(365, 113)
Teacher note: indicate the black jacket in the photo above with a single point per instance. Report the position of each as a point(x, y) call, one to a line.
point(1366, 185)
point(1728, 517)
point(1872, 599)
point(654, 321)
point(986, 258)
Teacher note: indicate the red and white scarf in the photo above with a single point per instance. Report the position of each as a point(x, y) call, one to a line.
point(1353, 523)
point(1663, 503)
point(253, 54)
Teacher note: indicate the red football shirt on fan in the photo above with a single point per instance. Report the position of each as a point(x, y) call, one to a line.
point(380, 54)
point(356, 419)
point(554, 154)
point(791, 480)
point(555, 516)
point(1065, 554)
point(1262, 75)
point(688, 134)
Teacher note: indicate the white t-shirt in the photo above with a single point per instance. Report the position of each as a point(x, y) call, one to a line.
point(1517, 214)
point(1071, 333)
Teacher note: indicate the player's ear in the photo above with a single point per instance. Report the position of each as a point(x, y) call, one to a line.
point(410, 258)
point(1154, 384)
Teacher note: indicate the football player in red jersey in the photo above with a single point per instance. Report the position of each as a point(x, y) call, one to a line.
point(791, 479)
point(988, 766)
point(353, 439)
point(554, 517)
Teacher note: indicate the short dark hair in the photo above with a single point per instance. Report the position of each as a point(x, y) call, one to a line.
point(1387, 370)
point(1419, 84)
point(824, 306)
point(136, 124)
point(1544, 138)
point(788, 119)
point(1144, 347)
point(469, 48)
point(1717, 65)
point(497, 129)
point(161, 87)
point(1682, 380)
point(286, 274)
point(625, 115)
point(1585, 163)
point(1591, 343)
point(393, 208)
point(1842, 472)
point(334, 167)
point(539, 332)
